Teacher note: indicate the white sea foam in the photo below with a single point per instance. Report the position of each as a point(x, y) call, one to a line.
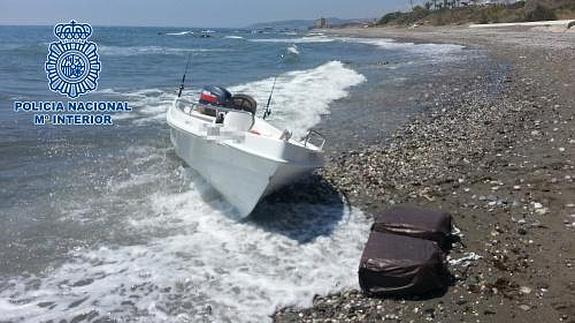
point(291, 54)
point(301, 40)
point(148, 105)
point(293, 49)
point(390, 43)
point(234, 37)
point(301, 97)
point(384, 43)
point(180, 33)
point(211, 268)
point(152, 50)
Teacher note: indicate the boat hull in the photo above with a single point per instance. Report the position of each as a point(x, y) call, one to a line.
point(241, 177)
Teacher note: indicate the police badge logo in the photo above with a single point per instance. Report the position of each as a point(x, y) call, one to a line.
point(73, 65)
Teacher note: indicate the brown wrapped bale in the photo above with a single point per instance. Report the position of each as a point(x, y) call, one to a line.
point(401, 265)
point(415, 222)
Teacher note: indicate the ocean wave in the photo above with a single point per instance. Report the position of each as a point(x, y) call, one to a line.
point(233, 37)
point(152, 50)
point(302, 97)
point(301, 40)
point(385, 43)
point(148, 105)
point(24, 47)
point(291, 54)
point(11, 46)
point(293, 49)
point(197, 264)
point(180, 33)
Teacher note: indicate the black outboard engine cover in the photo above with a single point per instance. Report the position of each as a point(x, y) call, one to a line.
point(215, 95)
point(245, 103)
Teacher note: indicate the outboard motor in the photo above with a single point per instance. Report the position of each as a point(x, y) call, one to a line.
point(215, 95)
point(244, 102)
point(220, 97)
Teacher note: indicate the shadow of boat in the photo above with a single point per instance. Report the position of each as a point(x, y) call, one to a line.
point(304, 211)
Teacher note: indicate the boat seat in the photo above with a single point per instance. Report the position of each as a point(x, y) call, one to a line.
point(239, 121)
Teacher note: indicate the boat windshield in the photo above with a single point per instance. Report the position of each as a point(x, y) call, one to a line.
point(188, 107)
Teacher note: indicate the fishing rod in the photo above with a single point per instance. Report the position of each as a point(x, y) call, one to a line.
point(268, 111)
point(184, 77)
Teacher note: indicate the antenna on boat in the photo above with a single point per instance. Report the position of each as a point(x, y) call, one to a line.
point(268, 111)
point(184, 77)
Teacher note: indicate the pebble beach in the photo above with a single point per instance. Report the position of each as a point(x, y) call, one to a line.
point(494, 146)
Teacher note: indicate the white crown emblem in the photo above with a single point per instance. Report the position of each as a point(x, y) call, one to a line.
point(72, 64)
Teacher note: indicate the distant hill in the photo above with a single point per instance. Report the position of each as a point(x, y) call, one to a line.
point(488, 11)
point(302, 24)
point(284, 24)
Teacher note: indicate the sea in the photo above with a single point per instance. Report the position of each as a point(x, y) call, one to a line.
point(106, 223)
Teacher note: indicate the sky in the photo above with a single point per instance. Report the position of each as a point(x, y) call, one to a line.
point(187, 13)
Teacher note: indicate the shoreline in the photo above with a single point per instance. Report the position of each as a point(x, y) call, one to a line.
point(500, 162)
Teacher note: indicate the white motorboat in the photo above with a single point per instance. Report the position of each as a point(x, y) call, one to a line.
point(242, 156)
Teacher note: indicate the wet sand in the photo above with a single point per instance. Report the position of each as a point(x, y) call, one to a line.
point(495, 147)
